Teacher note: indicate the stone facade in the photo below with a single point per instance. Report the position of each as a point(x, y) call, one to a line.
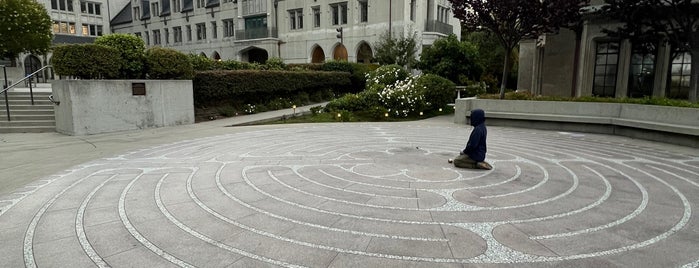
point(297, 31)
point(591, 63)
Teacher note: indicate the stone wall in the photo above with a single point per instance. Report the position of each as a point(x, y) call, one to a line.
point(99, 106)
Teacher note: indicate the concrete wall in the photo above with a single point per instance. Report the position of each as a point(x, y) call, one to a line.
point(100, 106)
point(559, 51)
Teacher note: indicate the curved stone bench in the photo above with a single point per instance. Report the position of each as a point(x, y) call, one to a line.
point(674, 125)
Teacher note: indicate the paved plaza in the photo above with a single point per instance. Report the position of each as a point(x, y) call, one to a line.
point(348, 195)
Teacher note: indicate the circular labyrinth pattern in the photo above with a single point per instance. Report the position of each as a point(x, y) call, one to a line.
point(364, 195)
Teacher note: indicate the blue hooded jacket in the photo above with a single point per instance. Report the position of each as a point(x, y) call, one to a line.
point(476, 147)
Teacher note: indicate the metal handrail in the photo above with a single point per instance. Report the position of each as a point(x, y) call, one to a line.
point(31, 91)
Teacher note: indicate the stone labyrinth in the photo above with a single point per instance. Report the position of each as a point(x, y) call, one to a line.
point(363, 195)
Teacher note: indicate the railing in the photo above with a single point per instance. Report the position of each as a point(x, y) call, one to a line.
point(440, 27)
point(255, 33)
point(5, 87)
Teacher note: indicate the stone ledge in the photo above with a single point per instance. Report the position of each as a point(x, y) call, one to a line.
point(589, 117)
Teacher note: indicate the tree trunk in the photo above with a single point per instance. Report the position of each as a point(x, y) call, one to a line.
point(505, 72)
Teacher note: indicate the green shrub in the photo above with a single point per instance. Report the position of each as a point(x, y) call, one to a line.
point(202, 63)
point(165, 63)
point(227, 110)
point(87, 61)
point(384, 76)
point(130, 50)
point(316, 109)
point(305, 66)
point(275, 64)
point(278, 104)
point(253, 86)
point(238, 65)
point(438, 91)
point(348, 102)
point(337, 66)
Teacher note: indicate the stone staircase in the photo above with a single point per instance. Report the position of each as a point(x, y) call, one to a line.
point(25, 117)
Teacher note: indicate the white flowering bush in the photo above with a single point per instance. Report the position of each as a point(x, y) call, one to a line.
point(404, 97)
point(384, 76)
point(249, 109)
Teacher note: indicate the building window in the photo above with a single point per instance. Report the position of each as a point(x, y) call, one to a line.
point(201, 31)
point(201, 3)
point(176, 5)
point(339, 13)
point(147, 38)
point(156, 37)
point(177, 34)
point(642, 72)
point(90, 8)
point(607, 59)
point(154, 9)
point(443, 14)
point(316, 17)
point(228, 28)
point(65, 5)
point(64, 27)
point(214, 33)
point(296, 19)
point(167, 36)
point(137, 13)
point(680, 71)
point(189, 33)
point(363, 11)
point(412, 10)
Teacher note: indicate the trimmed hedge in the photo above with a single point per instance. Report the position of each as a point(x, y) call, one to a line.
point(252, 86)
point(87, 61)
point(130, 49)
point(165, 63)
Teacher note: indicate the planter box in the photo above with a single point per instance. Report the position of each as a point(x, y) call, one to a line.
point(99, 106)
point(661, 123)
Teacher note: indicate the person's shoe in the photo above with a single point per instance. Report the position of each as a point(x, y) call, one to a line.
point(450, 160)
point(484, 165)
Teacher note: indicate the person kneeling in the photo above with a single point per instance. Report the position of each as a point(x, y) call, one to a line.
point(473, 156)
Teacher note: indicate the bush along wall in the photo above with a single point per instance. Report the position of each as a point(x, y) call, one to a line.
point(254, 86)
point(87, 61)
point(165, 63)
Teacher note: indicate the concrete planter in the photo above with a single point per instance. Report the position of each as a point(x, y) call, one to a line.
point(99, 106)
point(663, 123)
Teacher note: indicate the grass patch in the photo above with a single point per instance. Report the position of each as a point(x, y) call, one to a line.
point(645, 101)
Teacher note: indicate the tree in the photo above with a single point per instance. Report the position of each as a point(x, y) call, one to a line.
point(673, 21)
point(490, 55)
point(25, 27)
point(452, 59)
point(132, 51)
point(400, 51)
point(514, 20)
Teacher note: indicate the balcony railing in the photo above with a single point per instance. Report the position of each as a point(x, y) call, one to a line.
point(438, 26)
point(256, 33)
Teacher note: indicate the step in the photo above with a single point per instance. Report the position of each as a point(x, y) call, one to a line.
point(31, 129)
point(26, 93)
point(25, 117)
point(26, 107)
point(37, 101)
point(3, 112)
point(23, 123)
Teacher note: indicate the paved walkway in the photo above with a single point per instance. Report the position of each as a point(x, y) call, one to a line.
point(345, 195)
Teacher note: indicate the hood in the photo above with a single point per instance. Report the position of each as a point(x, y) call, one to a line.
point(477, 117)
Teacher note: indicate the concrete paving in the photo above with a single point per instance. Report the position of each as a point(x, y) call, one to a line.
point(344, 195)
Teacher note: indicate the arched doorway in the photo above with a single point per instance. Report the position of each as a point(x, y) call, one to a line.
point(31, 64)
point(216, 56)
point(364, 53)
point(318, 55)
point(340, 52)
point(254, 54)
point(203, 54)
